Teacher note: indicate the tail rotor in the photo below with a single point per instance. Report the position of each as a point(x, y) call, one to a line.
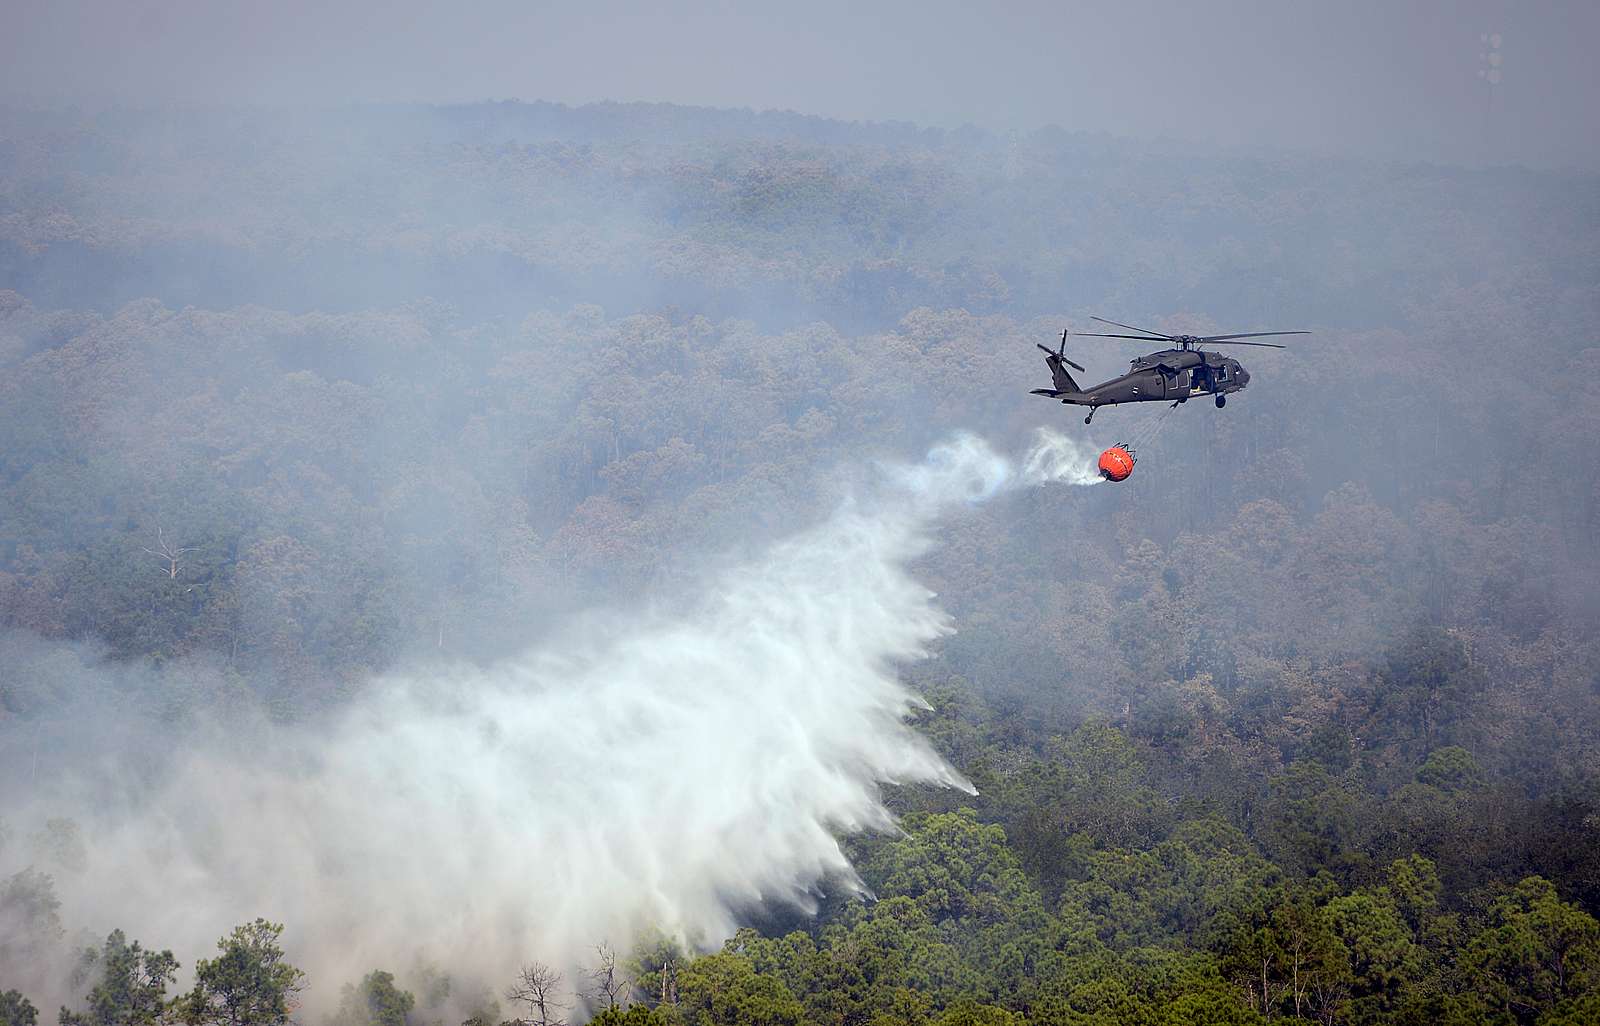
point(1055, 359)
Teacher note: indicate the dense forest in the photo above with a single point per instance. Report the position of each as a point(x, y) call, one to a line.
point(1300, 723)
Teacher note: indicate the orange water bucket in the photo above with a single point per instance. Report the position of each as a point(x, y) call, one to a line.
point(1116, 463)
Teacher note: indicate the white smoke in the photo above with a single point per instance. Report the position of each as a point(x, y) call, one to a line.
point(663, 772)
point(1058, 458)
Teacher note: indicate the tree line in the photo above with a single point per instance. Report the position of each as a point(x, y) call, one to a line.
point(1200, 928)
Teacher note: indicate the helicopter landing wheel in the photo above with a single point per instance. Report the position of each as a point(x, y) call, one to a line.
point(1222, 401)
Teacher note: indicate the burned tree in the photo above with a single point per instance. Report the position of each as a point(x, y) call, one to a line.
point(538, 988)
point(609, 987)
point(169, 555)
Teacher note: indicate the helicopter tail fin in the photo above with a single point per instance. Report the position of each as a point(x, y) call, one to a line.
point(1056, 360)
point(1063, 380)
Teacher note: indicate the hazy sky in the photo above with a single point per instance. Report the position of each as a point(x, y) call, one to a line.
point(1355, 75)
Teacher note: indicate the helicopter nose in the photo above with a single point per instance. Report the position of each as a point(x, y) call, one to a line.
point(1244, 377)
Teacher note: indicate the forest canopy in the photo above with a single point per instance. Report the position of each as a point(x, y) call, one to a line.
point(1301, 721)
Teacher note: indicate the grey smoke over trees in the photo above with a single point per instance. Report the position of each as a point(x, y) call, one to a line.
point(663, 775)
point(1364, 77)
point(527, 573)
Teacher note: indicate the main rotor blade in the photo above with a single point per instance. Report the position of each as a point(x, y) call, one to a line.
point(1249, 334)
point(1141, 338)
point(1266, 345)
point(1130, 327)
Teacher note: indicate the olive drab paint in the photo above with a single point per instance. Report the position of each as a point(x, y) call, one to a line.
point(1172, 375)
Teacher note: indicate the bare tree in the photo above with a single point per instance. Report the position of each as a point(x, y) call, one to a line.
point(653, 970)
point(669, 981)
point(610, 986)
point(538, 987)
point(168, 554)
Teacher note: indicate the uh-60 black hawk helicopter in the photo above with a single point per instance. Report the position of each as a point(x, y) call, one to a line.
point(1173, 375)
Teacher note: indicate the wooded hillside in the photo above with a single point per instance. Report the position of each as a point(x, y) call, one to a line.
point(1302, 720)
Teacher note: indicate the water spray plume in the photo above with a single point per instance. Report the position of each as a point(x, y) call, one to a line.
point(1055, 457)
point(667, 774)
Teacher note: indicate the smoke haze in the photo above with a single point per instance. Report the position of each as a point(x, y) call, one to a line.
point(1383, 79)
point(468, 530)
point(652, 771)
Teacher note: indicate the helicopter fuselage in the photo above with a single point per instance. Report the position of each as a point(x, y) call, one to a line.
point(1173, 375)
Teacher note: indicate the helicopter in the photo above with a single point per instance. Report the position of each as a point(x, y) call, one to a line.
point(1175, 374)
